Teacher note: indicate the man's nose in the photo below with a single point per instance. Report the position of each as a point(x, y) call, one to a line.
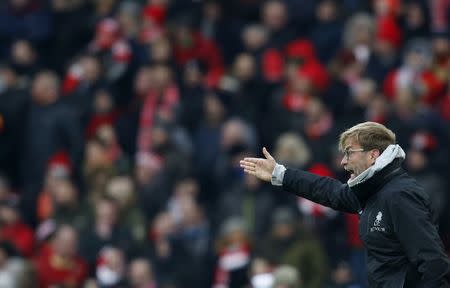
point(344, 161)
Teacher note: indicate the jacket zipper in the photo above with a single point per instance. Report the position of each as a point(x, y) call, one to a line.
point(367, 222)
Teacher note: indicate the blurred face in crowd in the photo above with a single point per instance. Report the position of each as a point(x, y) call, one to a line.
point(140, 273)
point(377, 108)
point(144, 81)
point(91, 68)
point(161, 51)
point(214, 109)
point(212, 11)
point(65, 194)
point(107, 32)
point(183, 36)
point(363, 92)
point(416, 160)
point(160, 139)
point(129, 22)
point(121, 188)
point(415, 17)
point(54, 176)
point(106, 212)
point(8, 215)
point(187, 187)
point(363, 35)
point(236, 236)
point(355, 160)
point(103, 102)
point(162, 76)
point(384, 48)
point(315, 110)
point(326, 11)
point(342, 274)
point(65, 242)
point(260, 266)
point(244, 67)
point(254, 37)
point(441, 47)
point(23, 53)
point(405, 102)
point(416, 61)
point(163, 225)
point(147, 167)
point(299, 83)
point(274, 15)
point(283, 230)
point(291, 149)
point(104, 7)
point(107, 135)
point(192, 75)
point(191, 212)
point(383, 7)
point(96, 155)
point(233, 133)
point(45, 88)
point(7, 78)
point(5, 188)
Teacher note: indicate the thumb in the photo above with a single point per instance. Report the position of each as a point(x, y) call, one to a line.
point(267, 154)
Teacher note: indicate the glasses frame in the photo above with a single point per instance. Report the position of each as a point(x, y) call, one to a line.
point(348, 152)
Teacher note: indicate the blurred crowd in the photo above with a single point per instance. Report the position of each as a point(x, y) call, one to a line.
point(122, 124)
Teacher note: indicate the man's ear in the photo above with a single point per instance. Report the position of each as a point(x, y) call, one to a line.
point(375, 153)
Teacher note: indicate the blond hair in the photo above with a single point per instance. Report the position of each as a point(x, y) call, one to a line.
point(370, 135)
point(292, 148)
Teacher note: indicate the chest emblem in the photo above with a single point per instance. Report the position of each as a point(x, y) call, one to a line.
point(377, 223)
point(378, 219)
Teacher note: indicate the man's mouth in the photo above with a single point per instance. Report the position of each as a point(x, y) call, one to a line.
point(351, 172)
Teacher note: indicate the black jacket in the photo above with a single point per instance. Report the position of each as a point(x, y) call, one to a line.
point(396, 224)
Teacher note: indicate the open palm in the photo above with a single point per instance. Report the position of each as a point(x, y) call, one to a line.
point(259, 167)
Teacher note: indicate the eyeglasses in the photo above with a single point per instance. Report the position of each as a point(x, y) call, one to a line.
point(348, 152)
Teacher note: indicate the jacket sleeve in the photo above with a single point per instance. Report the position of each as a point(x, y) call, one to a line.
point(323, 190)
point(414, 228)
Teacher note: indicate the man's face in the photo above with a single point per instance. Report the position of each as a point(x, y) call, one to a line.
point(44, 89)
point(65, 242)
point(355, 159)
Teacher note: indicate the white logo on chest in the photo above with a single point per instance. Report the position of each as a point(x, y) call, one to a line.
point(378, 219)
point(377, 222)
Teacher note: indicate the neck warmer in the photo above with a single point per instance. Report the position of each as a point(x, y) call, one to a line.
point(389, 154)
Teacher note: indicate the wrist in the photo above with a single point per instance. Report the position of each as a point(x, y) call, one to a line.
point(278, 175)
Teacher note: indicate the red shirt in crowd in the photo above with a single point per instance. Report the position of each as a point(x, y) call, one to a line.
point(52, 270)
point(21, 236)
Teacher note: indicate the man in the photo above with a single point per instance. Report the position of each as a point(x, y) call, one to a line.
point(51, 126)
point(396, 222)
point(140, 274)
point(59, 264)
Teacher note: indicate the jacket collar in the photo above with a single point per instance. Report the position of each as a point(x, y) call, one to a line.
point(366, 189)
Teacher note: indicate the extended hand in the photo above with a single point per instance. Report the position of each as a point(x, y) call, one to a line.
point(260, 167)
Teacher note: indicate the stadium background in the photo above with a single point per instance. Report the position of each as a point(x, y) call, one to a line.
point(122, 123)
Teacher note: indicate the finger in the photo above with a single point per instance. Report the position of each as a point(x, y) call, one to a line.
point(248, 166)
point(243, 163)
point(267, 154)
point(252, 160)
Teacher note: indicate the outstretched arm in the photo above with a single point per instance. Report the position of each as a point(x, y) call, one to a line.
point(323, 190)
